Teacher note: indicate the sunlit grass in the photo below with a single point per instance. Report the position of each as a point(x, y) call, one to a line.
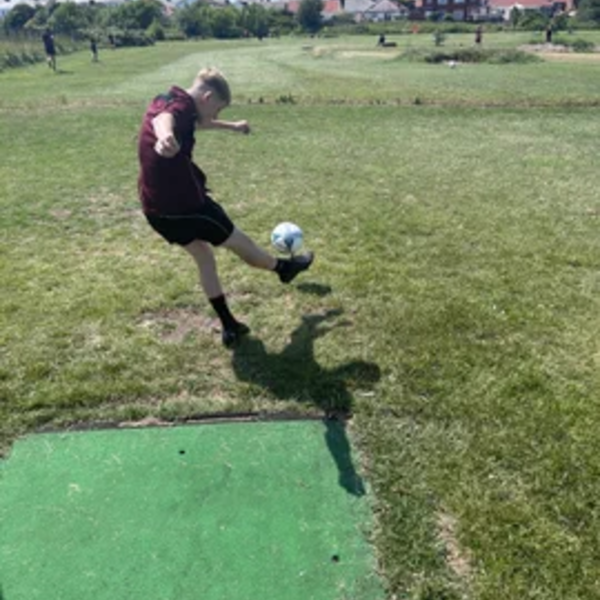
point(453, 305)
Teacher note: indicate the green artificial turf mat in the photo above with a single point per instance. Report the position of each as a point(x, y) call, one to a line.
point(230, 511)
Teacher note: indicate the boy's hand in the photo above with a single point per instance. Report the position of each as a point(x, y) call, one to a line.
point(167, 147)
point(241, 127)
point(235, 126)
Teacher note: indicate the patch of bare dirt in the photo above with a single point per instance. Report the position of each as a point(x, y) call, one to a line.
point(175, 324)
point(558, 52)
point(349, 54)
point(457, 558)
point(61, 214)
point(573, 57)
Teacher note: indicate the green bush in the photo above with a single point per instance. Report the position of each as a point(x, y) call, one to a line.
point(575, 44)
point(584, 25)
point(27, 49)
point(174, 35)
point(500, 57)
point(580, 45)
point(156, 31)
point(470, 55)
point(404, 27)
point(18, 58)
point(448, 27)
point(131, 37)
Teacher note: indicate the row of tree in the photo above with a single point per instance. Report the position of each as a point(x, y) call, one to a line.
point(588, 11)
point(198, 19)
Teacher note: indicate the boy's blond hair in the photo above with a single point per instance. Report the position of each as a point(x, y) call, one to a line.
point(213, 79)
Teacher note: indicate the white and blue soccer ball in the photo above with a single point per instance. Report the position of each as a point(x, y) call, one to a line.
point(287, 237)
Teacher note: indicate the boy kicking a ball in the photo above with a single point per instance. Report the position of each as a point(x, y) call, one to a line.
point(174, 196)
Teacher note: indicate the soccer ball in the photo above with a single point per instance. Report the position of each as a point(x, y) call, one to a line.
point(287, 237)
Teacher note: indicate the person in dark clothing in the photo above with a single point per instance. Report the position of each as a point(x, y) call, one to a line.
point(94, 49)
point(176, 201)
point(49, 48)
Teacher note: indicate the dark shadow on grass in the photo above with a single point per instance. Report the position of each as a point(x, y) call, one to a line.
point(316, 289)
point(294, 374)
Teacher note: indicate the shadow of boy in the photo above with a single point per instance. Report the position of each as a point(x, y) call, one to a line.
point(294, 374)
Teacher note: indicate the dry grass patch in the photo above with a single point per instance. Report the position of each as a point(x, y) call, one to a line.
point(175, 325)
point(458, 558)
point(578, 57)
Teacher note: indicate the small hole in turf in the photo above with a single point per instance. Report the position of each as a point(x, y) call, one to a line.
point(182, 452)
point(335, 558)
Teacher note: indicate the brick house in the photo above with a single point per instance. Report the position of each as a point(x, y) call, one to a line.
point(362, 10)
point(330, 7)
point(384, 10)
point(459, 10)
point(503, 8)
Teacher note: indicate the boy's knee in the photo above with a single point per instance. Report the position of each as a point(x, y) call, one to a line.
point(199, 250)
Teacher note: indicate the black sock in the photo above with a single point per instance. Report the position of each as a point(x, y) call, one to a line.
point(220, 305)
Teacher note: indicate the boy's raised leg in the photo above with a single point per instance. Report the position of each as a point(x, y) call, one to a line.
point(247, 250)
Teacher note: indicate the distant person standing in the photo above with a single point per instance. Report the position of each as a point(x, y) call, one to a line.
point(49, 48)
point(549, 33)
point(478, 35)
point(94, 49)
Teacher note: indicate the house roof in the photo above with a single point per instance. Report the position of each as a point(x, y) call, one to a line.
point(357, 6)
point(9, 4)
point(330, 7)
point(383, 6)
point(292, 6)
point(526, 4)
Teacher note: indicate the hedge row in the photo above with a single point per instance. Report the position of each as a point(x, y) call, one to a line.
point(470, 55)
point(28, 50)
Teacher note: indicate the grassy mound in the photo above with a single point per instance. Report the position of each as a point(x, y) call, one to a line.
point(577, 44)
point(470, 55)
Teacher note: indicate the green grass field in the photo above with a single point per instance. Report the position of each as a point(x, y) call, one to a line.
point(453, 307)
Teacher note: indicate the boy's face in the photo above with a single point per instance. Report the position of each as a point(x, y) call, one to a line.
point(209, 106)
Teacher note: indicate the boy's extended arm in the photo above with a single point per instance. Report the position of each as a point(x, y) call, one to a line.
point(236, 126)
point(166, 142)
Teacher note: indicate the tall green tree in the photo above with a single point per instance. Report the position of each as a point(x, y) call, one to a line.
point(589, 11)
point(194, 20)
point(255, 20)
point(137, 14)
point(309, 15)
point(224, 23)
point(17, 17)
point(188, 21)
point(516, 15)
point(68, 18)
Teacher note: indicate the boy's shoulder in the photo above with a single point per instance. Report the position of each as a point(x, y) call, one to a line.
point(175, 99)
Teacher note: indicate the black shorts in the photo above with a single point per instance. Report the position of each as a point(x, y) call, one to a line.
point(211, 225)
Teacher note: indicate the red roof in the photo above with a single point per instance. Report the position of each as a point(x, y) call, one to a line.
point(330, 7)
